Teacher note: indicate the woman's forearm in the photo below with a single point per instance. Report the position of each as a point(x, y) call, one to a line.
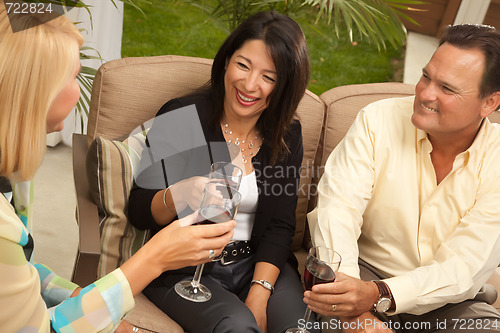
point(163, 208)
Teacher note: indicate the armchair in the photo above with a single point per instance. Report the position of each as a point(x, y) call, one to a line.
point(128, 92)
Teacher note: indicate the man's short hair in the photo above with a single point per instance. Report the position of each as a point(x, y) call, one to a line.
point(484, 38)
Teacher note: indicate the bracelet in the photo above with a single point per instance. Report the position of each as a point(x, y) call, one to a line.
point(263, 283)
point(165, 202)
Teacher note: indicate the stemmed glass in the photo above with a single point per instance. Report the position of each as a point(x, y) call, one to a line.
point(321, 265)
point(219, 203)
point(227, 173)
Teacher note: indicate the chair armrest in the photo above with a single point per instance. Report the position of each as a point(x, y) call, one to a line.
point(87, 259)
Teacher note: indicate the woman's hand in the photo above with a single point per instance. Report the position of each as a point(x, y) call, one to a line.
point(257, 303)
point(258, 296)
point(188, 193)
point(183, 244)
point(178, 245)
point(166, 205)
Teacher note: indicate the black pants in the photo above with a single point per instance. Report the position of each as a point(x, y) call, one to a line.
point(226, 310)
point(473, 315)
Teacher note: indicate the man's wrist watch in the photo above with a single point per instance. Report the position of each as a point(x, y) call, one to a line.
point(264, 283)
point(384, 301)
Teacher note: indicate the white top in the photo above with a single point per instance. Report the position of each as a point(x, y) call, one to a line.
point(246, 212)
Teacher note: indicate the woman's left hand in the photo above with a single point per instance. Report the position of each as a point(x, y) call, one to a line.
point(258, 305)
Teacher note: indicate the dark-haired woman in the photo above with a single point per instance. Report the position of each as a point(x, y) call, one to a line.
point(246, 115)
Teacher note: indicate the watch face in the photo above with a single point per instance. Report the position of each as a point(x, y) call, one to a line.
point(383, 305)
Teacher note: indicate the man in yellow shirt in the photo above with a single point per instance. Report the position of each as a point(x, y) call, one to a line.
point(411, 200)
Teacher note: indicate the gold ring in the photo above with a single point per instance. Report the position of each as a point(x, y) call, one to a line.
point(334, 307)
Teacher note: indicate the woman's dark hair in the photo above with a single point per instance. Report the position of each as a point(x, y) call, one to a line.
point(287, 47)
point(484, 38)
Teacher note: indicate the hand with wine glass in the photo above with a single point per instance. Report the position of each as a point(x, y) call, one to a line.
point(322, 265)
point(353, 299)
point(219, 203)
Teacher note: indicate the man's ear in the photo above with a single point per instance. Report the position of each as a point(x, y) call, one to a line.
point(491, 103)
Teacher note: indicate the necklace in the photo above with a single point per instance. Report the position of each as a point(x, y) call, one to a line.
point(245, 146)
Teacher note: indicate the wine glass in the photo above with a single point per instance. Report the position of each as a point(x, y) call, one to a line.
point(321, 265)
point(218, 204)
point(227, 173)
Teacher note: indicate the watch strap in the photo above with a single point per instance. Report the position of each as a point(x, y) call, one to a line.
point(383, 290)
point(384, 293)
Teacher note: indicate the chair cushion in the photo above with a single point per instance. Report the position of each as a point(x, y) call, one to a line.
point(311, 112)
point(150, 318)
point(110, 170)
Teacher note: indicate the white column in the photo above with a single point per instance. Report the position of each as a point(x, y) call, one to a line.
point(472, 11)
point(104, 35)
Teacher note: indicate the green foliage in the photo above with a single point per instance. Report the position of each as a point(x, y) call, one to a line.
point(377, 20)
point(175, 27)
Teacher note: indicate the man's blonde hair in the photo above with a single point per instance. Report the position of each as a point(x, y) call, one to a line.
point(35, 64)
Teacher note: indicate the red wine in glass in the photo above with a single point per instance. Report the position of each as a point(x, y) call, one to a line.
point(316, 273)
point(212, 214)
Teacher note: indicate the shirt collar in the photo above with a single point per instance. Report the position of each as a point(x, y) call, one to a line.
point(483, 130)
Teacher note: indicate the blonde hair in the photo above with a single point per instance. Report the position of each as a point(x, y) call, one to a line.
point(35, 64)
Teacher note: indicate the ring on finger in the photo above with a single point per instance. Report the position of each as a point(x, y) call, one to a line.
point(135, 329)
point(334, 307)
point(211, 254)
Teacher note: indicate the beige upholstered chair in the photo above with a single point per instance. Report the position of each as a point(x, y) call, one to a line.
point(126, 93)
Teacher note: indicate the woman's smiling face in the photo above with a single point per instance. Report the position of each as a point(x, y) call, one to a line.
point(250, 78)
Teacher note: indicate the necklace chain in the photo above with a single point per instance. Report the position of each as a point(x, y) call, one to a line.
point(245, 146)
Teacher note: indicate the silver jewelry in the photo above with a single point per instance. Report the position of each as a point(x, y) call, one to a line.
point(264, 283)
point(211, 254)
point(165, 202)
point(242, 144)
point(135, 329)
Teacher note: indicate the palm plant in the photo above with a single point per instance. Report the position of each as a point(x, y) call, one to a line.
point(86, 75)
point(377, 20)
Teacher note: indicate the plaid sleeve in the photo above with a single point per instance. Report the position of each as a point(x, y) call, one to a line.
point(54, 289)
point(99, 307)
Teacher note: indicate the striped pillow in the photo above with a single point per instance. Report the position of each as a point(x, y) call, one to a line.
point(110, 170)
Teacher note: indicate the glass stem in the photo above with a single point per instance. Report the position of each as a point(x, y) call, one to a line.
point(306, 317)
point(197, 276)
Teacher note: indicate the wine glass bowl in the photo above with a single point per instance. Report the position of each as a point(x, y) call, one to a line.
point(319, 271)
point(321, 265)
point(218, 204)
point(226, 173)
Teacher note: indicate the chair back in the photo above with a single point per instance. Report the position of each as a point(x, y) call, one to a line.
point(127, 92)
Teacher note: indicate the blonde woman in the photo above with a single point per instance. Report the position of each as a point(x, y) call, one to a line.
point(38, 88)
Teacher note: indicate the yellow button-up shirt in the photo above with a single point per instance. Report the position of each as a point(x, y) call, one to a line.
point(379, 200)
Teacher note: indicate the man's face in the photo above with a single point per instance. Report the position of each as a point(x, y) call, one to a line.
point(447, 102)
